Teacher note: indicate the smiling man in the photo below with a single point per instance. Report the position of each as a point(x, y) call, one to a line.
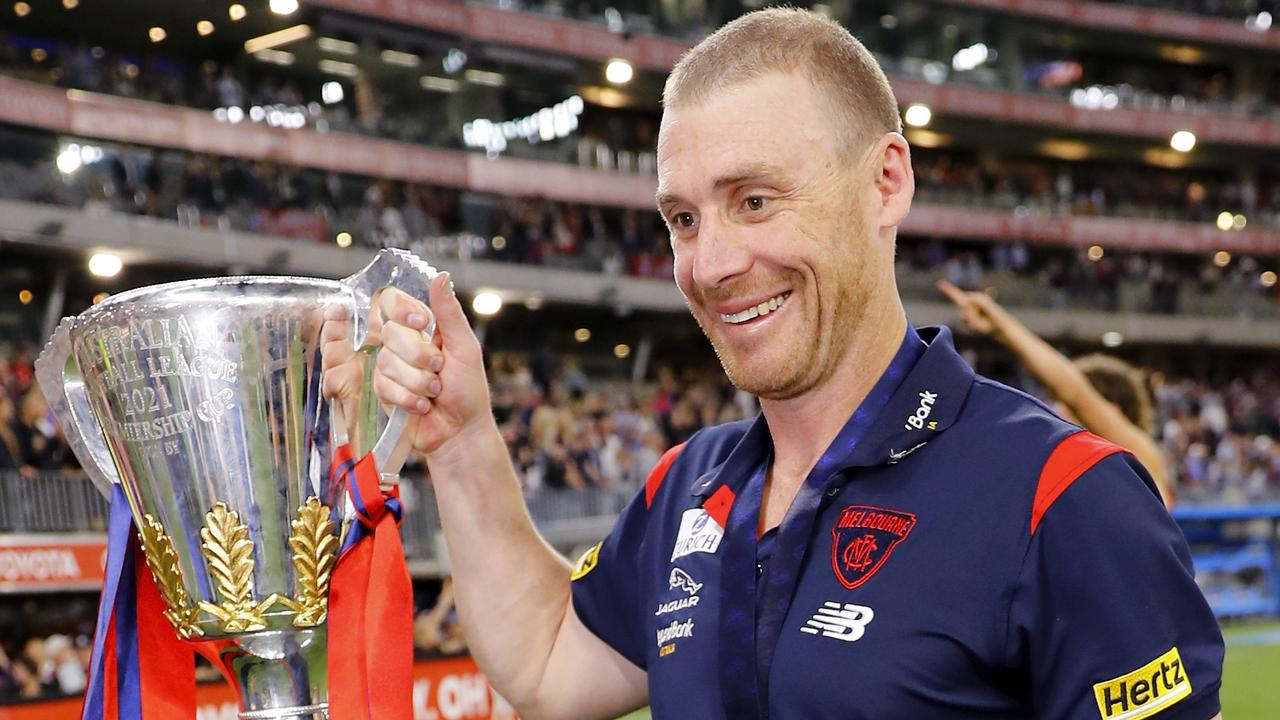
point(894, 536)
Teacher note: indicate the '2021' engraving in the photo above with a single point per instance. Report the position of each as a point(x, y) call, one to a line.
point(145, 351)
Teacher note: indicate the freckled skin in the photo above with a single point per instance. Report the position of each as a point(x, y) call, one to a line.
point(806, 221)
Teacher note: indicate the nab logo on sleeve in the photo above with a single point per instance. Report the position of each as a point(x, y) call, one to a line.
point(1145, 691)
point(698, 533)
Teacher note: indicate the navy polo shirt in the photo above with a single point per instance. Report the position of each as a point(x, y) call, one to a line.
point(958, 552)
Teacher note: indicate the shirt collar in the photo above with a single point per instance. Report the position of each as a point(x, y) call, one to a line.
point(926, 383)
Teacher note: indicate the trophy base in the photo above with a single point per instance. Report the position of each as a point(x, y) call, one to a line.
point(319, 711)
point(279, 674)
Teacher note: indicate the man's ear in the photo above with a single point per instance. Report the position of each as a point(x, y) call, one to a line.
point(895, 182)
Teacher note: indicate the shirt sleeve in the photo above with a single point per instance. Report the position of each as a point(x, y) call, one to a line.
point(1106, 615)
point(606, 586)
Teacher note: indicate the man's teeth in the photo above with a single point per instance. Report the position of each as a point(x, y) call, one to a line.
point(754, 311)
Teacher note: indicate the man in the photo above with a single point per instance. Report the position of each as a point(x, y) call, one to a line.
point(893, 537)
point(1104, 394)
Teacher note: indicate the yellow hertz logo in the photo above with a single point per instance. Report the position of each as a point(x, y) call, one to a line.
point(587, 562)
point(1145, 691)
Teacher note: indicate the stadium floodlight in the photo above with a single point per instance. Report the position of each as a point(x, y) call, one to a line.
point(484, 77)
point(486, 303)
point(402, 59)
point(1224, 220)
point(1268, 278)
point(1183, 141)
point(275, 57)
point(277, 38)
point(618, 71)
point(621, 351)
point(918, 115)
point(284, 7)
point(21, 9)
point(1222, 258)
point(70, 4)
point(69, 160)
point(25, 296)
point(1238, 221)
point(336, 46)
point(204, 27)
point(582, 335)
point(157, 34)
point(236, 12)
point(105, 264)
point(1112, 339)
point(533, 302)
point(343, 240)
point(1260, 22)
point(332, 92)
point(439, 84)
point(1096, 252)
point(337, 67)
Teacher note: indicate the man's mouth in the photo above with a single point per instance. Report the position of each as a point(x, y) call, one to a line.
point(764, 308)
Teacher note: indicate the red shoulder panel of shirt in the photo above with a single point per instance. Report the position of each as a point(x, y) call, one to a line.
point(1071, 459)
point(659, 473)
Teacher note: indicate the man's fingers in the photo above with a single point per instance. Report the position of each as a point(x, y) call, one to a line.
point(953, 293)
point(412, 347)
point(392, 392)
point(400, 307)
point(421, 382)
point(340, 379)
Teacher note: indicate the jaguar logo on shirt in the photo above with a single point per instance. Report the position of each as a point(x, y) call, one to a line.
point(698, 533)
point(863, 538)
point(682, 581)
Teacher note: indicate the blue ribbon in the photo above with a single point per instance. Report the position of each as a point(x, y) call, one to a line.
point(115, 606)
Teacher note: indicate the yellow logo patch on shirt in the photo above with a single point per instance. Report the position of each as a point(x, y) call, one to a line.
point(587, 562)
point(1145, 691)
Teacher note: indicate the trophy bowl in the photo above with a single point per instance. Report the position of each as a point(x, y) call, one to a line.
point(203, 400)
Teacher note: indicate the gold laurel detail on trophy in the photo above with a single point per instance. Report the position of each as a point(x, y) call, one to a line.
point(229, 553)
point(162, 559)
point(315, 548)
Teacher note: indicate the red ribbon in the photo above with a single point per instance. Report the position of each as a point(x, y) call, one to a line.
point(167, 665)
point(370, 606)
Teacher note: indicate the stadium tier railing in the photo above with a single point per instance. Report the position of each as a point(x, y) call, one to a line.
point(67, 504)
point(1236, 551)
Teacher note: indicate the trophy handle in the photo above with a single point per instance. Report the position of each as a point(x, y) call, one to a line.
point(63, 386)
point(408, 273)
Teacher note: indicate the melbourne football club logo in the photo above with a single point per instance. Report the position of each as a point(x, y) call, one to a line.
point(863, 538)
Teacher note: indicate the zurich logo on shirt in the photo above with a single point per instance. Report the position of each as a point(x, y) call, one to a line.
point(698, 533)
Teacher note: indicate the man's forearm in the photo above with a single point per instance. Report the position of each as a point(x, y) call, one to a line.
point(510, 587)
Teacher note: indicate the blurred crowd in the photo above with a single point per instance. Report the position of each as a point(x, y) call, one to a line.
point(279, 200)
point(44, 667)
point(1224, 441)
point(30, 440)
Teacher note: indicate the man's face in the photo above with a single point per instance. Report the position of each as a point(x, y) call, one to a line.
point(774, 250)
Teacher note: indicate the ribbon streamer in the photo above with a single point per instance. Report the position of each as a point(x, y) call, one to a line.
point(370, 604)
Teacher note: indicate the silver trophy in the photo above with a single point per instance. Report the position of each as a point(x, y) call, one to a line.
point(203, 400)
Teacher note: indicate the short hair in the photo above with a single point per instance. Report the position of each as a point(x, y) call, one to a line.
point(786, 39)
point(1121, 383)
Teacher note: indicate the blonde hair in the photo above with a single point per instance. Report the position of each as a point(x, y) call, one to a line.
point(785, 39)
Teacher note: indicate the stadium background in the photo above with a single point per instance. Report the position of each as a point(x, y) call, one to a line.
point(1112, 169)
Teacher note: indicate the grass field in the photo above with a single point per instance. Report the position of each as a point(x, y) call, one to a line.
point(1251, 678)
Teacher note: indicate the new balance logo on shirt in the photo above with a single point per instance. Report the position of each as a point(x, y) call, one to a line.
point(847, 622)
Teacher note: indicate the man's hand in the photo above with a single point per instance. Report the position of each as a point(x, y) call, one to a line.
point(979, 311)
point(440, 379)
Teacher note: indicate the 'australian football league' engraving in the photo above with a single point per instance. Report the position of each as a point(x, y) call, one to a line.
point(143, 360)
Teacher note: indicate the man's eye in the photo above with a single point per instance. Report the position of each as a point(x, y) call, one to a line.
point(755, 203)
point(683, 220)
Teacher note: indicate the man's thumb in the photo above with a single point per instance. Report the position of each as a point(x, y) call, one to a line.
point(451, 321)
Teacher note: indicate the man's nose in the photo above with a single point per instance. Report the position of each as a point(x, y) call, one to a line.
point(719, 254)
